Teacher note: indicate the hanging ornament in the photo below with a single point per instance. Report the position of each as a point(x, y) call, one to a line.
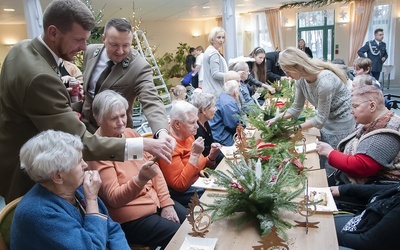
point(343, 15)
point(359, 10)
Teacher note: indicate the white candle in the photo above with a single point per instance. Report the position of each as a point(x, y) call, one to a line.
point(258, 169)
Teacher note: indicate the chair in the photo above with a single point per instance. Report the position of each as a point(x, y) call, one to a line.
point(392, 101)
point(6, 215)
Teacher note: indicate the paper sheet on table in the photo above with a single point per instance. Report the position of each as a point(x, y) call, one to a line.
point(330, 206)
point(208, 183)
point(196, 243)
point(228, 151)
point(309, 148)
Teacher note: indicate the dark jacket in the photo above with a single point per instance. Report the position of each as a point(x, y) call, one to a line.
point(380, 221)
point(374, 52)
point(274, 71)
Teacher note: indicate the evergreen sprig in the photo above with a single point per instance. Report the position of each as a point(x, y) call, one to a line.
point(260, 199)
point(315, 3)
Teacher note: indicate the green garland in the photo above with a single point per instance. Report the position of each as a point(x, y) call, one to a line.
point(252, 198)
point(314, 3)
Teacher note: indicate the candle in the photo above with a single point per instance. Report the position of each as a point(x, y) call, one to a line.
point(258, 169)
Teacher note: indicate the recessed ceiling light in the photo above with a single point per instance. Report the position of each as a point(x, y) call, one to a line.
point(240, 5)
point(9, 9)
point(206, 7)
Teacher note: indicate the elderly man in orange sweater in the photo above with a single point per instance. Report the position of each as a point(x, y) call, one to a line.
point(187, 159)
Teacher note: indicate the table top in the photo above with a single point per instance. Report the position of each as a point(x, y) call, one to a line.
point(231, 237)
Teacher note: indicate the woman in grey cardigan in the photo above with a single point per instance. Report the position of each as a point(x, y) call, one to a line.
point(214, 63)
point(323, 84)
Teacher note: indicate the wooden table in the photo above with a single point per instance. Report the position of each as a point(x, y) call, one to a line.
point(231, 238)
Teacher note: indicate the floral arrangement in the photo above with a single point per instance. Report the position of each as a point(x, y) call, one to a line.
point(259, 190)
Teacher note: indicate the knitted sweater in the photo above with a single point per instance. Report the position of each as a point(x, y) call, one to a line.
point(181, 174)
point(382, 145)
point(125, 199)
point(331, 99)
point(214, 68)
point(43, 220)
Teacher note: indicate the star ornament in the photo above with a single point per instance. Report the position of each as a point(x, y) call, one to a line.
point(359, 10)
point(343, 15)
point(285, 21)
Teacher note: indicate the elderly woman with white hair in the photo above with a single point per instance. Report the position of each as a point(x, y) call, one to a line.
point(187, 158)
point(214, 64)
point(62, 210)
point(323, 84)
point(135, 191)
point(226, 118)
point(205, 103)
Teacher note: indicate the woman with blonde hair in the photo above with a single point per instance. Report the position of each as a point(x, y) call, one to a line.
point(323, 85)
point(214, 64)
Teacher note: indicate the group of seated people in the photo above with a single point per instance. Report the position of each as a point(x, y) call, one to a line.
point(109, 204)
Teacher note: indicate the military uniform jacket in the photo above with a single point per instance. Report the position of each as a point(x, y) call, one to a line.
point(131, 78)
point(374, 52)
point(33, 99)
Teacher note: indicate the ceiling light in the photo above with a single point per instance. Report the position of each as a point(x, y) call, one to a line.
point(240, 5)
point(9, 10)
point(206, 7)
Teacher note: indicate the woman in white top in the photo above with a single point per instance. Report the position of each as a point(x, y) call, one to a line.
point(214, 64)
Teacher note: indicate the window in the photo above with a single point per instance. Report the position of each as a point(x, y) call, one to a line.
point(317, 30)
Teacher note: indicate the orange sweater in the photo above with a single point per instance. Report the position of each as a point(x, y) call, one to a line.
point(124, 198)
point(181, 174)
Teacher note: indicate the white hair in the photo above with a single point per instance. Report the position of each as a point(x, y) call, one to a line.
point(105, 103)
point(231, 87)
point(180, 111)
point(49, 152)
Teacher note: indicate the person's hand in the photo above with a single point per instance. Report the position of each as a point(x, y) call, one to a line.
point(165, 136)
point(169, 213)
point(65, 79)
point(383, 59)
point(214, 150)
point(91, 184)
point(335, 191)
point(324, 149)
point(198, 145)
point(269, 122)
point(161, 147)
point(271, 89)
point(147, 172)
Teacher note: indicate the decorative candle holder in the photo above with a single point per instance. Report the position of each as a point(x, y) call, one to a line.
point(198, 219)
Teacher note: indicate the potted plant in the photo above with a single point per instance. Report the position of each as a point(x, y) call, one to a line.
point(173, 64)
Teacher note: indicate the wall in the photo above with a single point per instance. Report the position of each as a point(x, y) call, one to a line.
point(10, 34)
point(167, 35)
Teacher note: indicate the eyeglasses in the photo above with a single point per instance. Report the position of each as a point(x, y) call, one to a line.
point(354, 106)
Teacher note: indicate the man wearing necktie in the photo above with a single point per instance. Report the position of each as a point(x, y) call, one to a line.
point(130, 75)
point(33, 98)
point(376, 51)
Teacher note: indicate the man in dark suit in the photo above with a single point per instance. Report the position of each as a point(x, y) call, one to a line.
point(33, 97)
point(274, 71)
point(376, 51)
point(130, 75)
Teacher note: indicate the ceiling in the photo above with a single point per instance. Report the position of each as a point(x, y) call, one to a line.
point(148, 10)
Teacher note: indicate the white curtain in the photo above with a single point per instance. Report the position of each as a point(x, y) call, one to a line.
point(33, 17)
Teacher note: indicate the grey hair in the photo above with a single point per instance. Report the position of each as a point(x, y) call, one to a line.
point(64, 13)
point(231, 87)
point(362, 80)
point(240, 66)
point(106, 102)
point(203, 101)
point(370, 92)
point(214, 32)
point(49, 152)
point(180, 111)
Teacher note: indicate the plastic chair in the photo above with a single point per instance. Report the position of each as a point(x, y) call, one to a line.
point(6, 216)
